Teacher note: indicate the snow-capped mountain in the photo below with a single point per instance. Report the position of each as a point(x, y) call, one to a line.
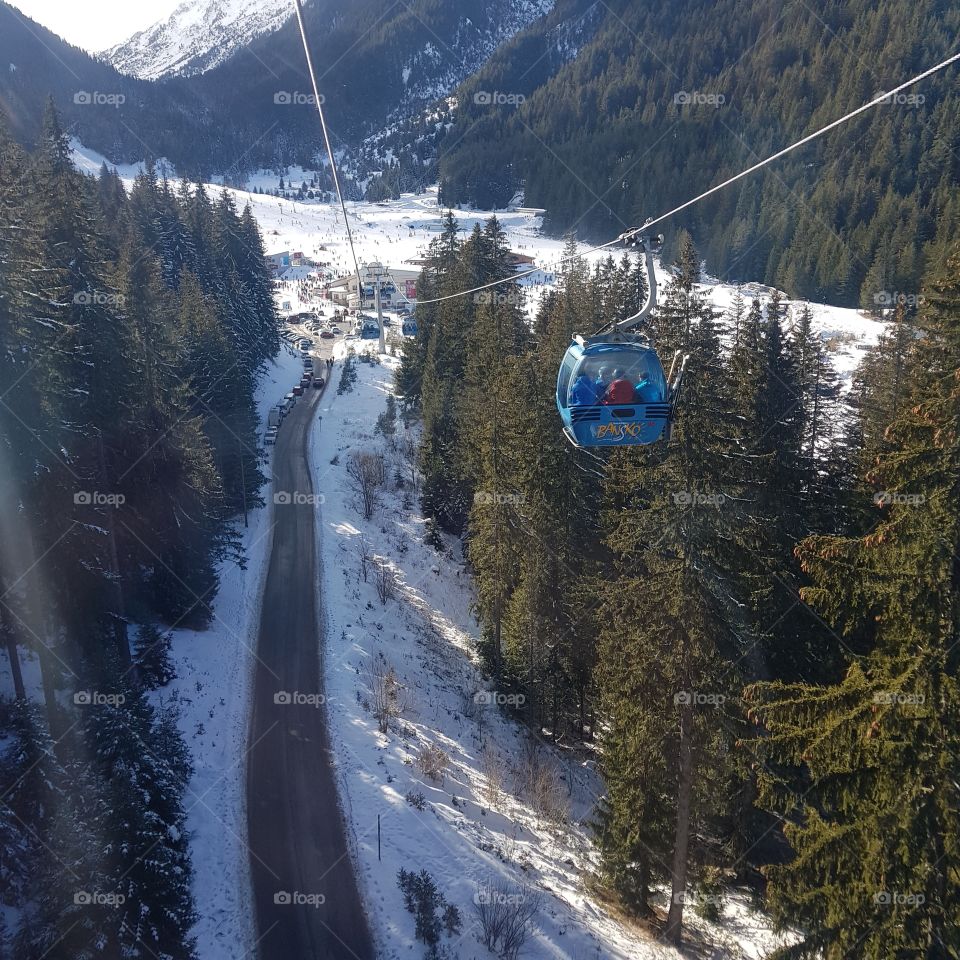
point(434, 66)
point(197, 36)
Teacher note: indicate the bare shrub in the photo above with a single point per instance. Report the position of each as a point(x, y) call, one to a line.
point(367, 473)
point(363, 552)
point(494, 770)
point(432, 761)
point(468, 704)
point(386, 693)
point(384, 580)
point(505, 912)
point(542, 784)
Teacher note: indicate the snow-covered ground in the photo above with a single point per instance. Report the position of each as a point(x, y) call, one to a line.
point(397, 231)
point(468, 834)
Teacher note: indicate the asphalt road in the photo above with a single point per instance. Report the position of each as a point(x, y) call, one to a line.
point(305, 892)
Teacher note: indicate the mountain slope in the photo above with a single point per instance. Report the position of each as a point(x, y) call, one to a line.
point(375, 63)
point(120, 116)
point(197, 37)
point(656, 103)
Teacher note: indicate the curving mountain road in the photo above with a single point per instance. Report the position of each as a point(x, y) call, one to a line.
point(305, 893)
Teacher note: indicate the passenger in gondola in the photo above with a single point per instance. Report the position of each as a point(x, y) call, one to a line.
point(601, 383)
point(621, 390)
point(646, 391)
point(584, 391)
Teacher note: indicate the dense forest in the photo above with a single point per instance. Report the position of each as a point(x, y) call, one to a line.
point(608, 114)
point(757, 624)
point(131, 331)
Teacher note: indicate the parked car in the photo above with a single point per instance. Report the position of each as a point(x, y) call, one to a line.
point(274, 417)
point(270, 437)
point(306, 380)
point(298, 390)
point(328, 335)
point(288, 401)
point(337, 331)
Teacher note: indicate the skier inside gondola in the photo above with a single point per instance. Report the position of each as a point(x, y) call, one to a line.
point(621, 389)
point(626, 384)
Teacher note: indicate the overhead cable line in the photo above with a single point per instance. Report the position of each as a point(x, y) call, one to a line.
point(884, 97)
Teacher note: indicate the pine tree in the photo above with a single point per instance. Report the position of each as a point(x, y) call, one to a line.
point(860, 769)
point(662, 632)
point(146, 766)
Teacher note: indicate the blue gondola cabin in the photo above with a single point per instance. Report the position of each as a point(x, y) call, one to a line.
point(612, 392)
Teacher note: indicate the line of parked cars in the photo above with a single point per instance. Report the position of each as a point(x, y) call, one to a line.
point(309, 380)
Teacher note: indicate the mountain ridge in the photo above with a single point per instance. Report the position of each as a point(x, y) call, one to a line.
point(196, 37)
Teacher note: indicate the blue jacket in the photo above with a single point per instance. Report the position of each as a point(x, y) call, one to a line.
point(584, 391)
point(647, 392)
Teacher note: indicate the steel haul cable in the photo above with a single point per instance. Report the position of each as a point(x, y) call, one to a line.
point(326, 137)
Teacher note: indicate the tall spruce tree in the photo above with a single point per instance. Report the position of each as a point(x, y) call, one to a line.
point(663, 636)
point(863, 769)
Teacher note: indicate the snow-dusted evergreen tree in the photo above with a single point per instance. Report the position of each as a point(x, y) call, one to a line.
point(111, 316)
point(145, 767)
